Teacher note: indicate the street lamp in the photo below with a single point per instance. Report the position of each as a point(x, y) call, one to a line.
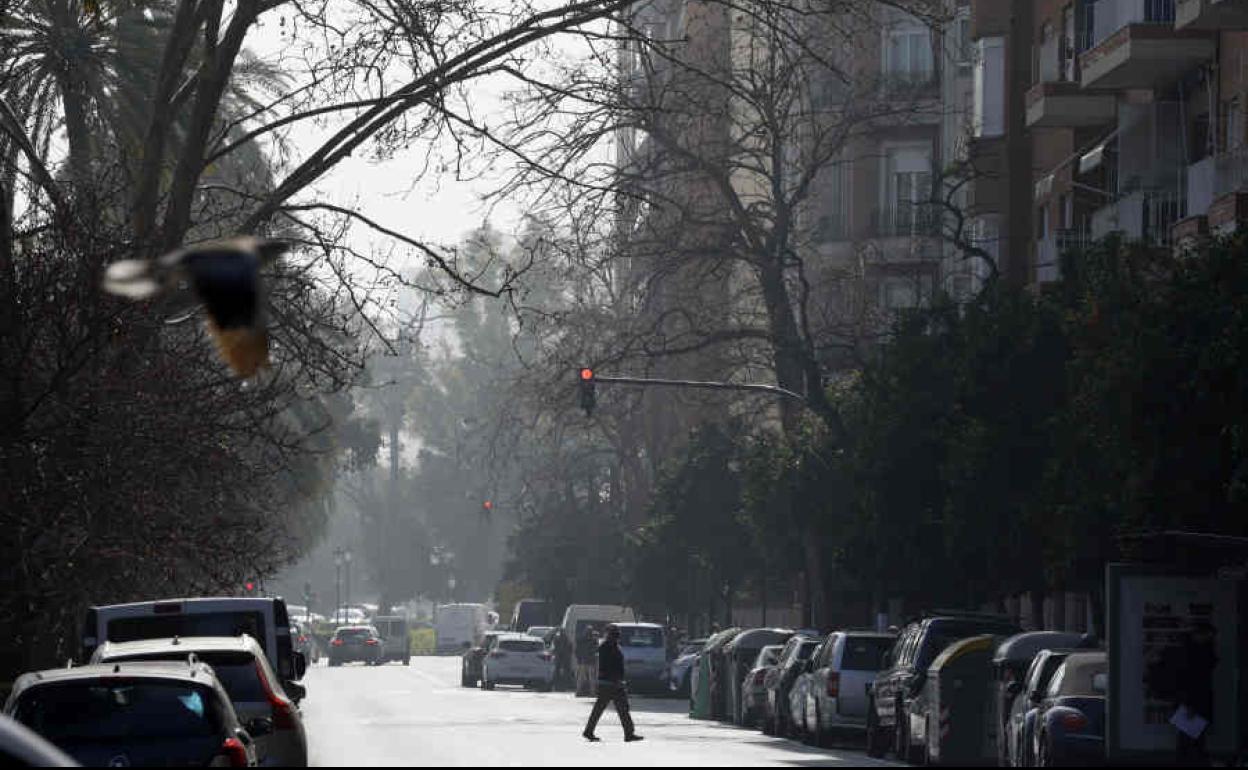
point(346, 557)
point(338, 553)
point(450, 584)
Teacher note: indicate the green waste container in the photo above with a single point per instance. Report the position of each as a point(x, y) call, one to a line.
point(700, 692)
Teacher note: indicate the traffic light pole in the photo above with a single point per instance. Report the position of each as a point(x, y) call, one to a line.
point(748, 387)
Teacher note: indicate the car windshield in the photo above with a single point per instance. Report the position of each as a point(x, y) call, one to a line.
point(521, 645)
point(641, 637)
point(806, 650)
point(120, 709)
point(864, 653)
point(237, 672)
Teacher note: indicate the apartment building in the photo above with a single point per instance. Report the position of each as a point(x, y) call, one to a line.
point(1130, 119)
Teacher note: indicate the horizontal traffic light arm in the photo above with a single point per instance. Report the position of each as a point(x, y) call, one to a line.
point(770, 389)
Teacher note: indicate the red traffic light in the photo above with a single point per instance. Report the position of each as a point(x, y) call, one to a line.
point(488, 505)
point(587, 374)
point(250, 586)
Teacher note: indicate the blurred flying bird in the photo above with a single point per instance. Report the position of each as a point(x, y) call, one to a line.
point(225, 276)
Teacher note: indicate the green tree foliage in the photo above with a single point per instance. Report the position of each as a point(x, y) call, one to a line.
point(696, 548)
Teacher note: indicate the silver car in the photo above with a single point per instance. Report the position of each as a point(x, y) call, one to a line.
point(836, 696)
point(241, 666)
point(644, 646)
point(753, 694)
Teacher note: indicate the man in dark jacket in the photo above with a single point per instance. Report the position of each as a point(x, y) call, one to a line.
point(611, 687)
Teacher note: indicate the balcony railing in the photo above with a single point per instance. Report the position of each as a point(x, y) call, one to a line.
point(1215, 176)
point(902, 221)
point(1049, 252)
point(1109, 16)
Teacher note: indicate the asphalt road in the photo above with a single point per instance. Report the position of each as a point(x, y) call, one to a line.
point(419, 715)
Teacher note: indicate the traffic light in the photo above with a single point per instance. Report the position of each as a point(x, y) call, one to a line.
point(587, 391)
point(488, 506)
point(250, 586)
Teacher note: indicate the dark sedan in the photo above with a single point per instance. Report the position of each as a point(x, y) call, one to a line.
point(1070, 724)
point(779, 681)
point(473, 660)
point(355, 644)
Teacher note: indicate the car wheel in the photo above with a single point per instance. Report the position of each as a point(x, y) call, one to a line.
point(487, 685)
point(407, 661)
point(819, 737)
point(875, 735)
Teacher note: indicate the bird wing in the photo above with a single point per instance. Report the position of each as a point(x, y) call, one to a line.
point(132, 278)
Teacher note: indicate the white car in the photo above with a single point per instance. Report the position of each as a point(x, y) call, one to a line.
point(243, 670)
point(518, 659)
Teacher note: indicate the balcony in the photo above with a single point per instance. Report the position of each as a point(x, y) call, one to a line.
point(916, 220)
point(1134, 45)
point(1144, 215)
point(1214, 177)
point(1211, 14)
point(1067, 105)
point(1049, 252)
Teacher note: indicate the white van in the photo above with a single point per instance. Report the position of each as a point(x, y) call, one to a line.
point(457, 626)
point(264, 619)
point(578, 618)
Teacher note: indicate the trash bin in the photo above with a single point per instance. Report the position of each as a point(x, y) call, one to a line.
point(961, 729)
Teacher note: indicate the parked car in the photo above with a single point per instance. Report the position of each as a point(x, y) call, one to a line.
point(752, 693)
point(740, 655)
point(241, 667)
point(1070, 719)
point(355, 644)
point(897, 700)
point(797, 696)
point(779, 682)
point(1020, 728)
point(22, 747)
point(645, 655)
point(545, 633)
point(518, 659)
point(1010, 665)
point(264, 619)
point(680, 668)
point(304, 642)
point(136, 715)
point(473, 657)
point(396, 643)
point(460, 626)
point(840, 675)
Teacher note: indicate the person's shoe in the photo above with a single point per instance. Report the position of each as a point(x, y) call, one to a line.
point(633, 737)
point(591, 737)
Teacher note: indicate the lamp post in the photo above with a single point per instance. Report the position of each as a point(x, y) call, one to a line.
point(450, 585)
point(338, 585)
point(346, 557)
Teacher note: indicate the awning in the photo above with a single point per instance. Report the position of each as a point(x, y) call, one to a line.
point(1093, 159)
point(1044, 187)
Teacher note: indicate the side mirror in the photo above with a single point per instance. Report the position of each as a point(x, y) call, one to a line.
point(297, 692)
point(1014, 688)
point(258, 727)
point(301, 665)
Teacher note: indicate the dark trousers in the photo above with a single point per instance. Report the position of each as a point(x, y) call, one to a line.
point(1192, 751)
point(611, 692)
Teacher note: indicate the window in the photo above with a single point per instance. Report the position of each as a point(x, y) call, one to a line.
point(1068, 52)
point(898, 293)
point(864, 653)
point(1233, 124)
point(989, 113)
point(908, 187)
point(908, 52)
